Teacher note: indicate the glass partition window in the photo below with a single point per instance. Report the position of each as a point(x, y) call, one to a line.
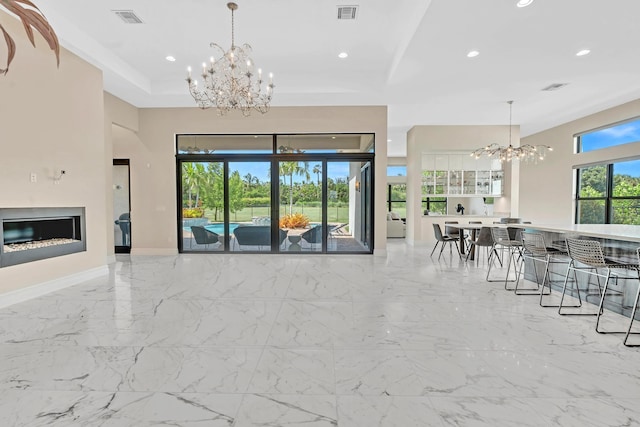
point(396, 171)
point(625, 203)
point(609, 194)
point(325, 143)
point(397, 199)
point(622, 133)
point(437, 205)
point(224, 144)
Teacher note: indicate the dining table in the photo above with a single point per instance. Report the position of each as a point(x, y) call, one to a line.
point(473, 231)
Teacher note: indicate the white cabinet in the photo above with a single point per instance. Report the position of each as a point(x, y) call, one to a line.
point(460, 174)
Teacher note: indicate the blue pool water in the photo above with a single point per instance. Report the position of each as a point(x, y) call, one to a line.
point(218, 228)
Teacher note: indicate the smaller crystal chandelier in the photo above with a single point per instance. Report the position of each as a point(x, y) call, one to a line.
point(524, 153)
point(229, 82)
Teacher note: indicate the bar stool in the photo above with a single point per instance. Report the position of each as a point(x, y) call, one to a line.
point(502, 241)
point(535, 249)
point(633, 312)
point(589, 254)
point(610, 265)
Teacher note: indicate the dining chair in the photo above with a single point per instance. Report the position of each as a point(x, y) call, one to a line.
point(440, 238)
point(484, 240)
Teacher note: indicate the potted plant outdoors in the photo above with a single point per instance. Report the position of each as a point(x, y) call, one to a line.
point(31, 18)
point(293, 221)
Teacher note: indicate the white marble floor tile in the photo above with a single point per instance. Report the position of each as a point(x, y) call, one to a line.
point(69, 368)
point(191, 370)
point(66, 408)
point(376, 373)
point(386, 411)
point(487, 412)
point(310, 323)
point(459, 373)
point(225, 323)
point(285, 371)
point(287, 410)
point(263, 340)
point(589, 412)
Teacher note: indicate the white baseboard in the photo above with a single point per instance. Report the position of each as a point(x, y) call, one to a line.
point(153, 251)
point(379, 252)
point(35, 291)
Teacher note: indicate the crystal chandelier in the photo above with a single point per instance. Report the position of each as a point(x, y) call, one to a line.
point(229, 81)
point(524, 153)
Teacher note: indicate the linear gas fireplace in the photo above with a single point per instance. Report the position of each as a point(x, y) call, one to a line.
point(30, 234)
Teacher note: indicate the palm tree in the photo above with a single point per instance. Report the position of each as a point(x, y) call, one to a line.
point(193, 177)
point(317, 169)
point(188, 178)
point(31, 17)
point(289, 169)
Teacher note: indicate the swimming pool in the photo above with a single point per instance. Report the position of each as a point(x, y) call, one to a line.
point(217, 228)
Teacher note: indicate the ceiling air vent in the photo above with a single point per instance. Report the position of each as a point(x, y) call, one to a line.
point(128, 16)
point(554, 86)
point(347, 12)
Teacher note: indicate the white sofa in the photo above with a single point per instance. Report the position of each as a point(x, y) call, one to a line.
point(395, 226)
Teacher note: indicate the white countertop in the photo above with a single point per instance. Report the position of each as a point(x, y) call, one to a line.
point(630, 233)
point(463, 217)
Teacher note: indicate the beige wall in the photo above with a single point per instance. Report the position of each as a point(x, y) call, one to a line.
point(152, 154)
point(52, 119)
point(451, 139)
point(546, 189)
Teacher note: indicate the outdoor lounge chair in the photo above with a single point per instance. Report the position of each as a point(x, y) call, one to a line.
point(204, 236)
point(313, 236)
point(256, 235)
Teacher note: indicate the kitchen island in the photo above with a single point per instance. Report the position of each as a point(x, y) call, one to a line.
point(619, 243)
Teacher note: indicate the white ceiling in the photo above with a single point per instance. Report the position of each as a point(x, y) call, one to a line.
point(407, 54)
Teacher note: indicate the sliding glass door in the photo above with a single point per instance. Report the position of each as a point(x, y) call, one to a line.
point(275, 194)
point(348, 213)
point(202, 211)
point(249, 206)
point(300, 212)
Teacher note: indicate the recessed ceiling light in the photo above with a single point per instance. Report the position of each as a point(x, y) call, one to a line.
point(389, 140)
point(343, 55)
point(473, 54)
point(170, 58)
point(583, 52)
point(524, 3)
